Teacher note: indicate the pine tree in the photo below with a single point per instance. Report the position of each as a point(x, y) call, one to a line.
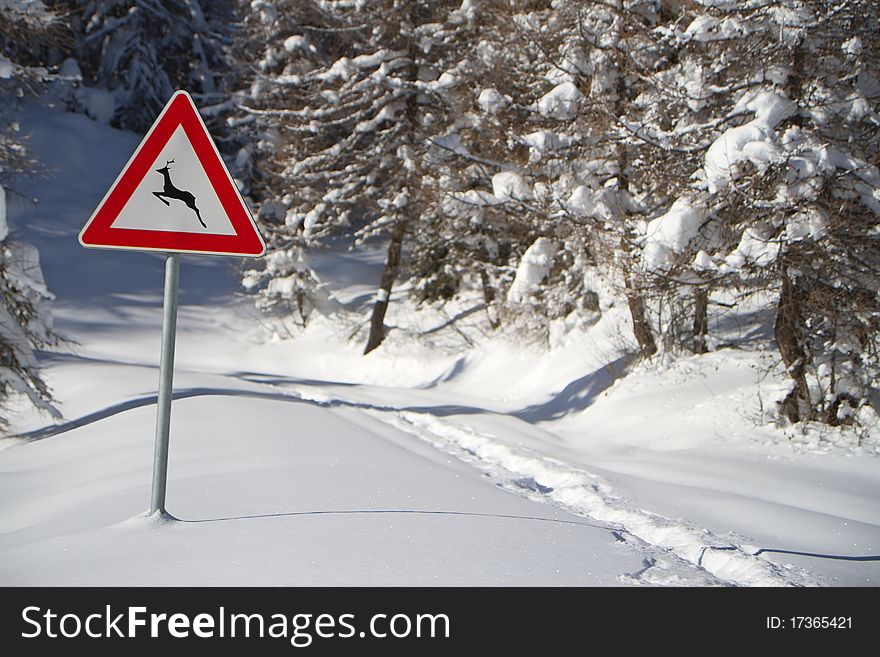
point(26, 30)
point(142, 51)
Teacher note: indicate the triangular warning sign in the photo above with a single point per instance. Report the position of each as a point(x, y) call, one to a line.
point(175, 195)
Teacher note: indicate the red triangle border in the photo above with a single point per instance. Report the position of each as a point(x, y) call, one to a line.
point(179, 111)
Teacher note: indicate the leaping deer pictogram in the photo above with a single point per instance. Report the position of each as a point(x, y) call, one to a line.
point(172, 192)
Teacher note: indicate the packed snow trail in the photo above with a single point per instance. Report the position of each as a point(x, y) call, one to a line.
point(585, 494)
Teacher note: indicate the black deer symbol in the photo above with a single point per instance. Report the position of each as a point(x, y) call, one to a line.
point(171, 191)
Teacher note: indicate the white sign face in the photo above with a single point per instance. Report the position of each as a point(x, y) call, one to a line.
point(150, 209)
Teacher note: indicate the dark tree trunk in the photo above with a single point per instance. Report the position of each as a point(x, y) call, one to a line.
point(389, 275)
point(790, 344)
point(641, 327)
point(701, 319)
point(489, 298)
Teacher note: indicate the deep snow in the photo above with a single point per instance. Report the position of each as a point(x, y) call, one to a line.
point(442, 458)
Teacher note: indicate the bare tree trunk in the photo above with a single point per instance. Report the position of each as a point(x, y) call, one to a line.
point(489, 298)
point(641, 327)
point(389, 275)
point(701, 319)
point(789, 343)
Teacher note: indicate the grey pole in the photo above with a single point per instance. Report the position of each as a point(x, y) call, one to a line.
point(166, 374)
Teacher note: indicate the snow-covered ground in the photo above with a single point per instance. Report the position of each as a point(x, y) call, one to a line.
point(444, 458)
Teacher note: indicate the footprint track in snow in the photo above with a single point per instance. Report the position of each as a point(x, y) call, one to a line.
point(544, 479)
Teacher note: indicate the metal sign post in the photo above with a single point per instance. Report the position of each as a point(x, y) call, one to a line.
point(166, 376)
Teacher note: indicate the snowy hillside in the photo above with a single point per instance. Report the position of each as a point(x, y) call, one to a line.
point(443, 457)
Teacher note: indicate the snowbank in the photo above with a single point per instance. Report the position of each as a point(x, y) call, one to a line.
point(98, 104)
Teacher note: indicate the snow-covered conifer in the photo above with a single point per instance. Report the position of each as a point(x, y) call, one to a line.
point(142, 51)
point(26, 28)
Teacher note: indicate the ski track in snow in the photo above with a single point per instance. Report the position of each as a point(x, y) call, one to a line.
point(582, 493)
